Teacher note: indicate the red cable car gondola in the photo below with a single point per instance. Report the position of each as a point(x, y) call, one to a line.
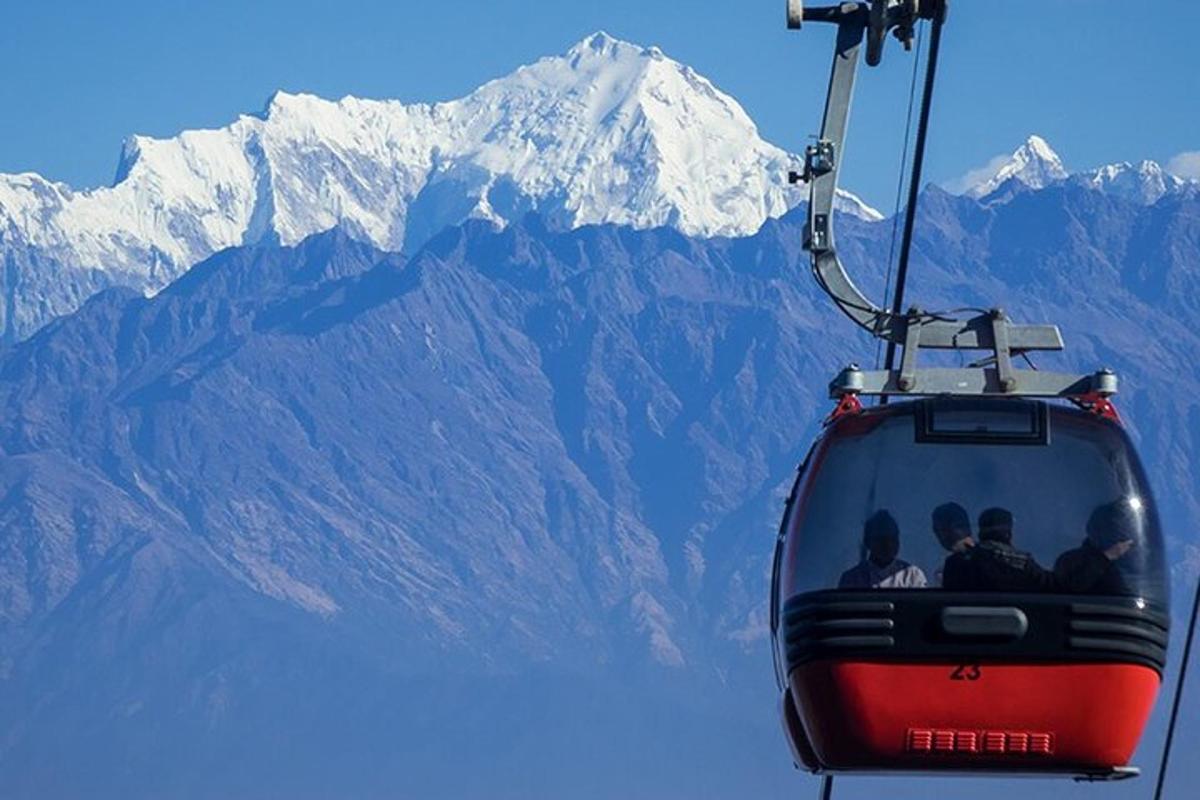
point(1044, 654)
point(970, 578)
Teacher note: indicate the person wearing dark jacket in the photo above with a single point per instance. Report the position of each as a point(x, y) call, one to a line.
point(952, 527)
point(1092, 567)
point(994, 565)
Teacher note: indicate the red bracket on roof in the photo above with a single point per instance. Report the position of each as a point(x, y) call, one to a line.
point(1099, 404)
point(848, 404)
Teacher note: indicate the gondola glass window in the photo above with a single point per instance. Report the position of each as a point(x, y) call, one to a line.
point(1055, 496)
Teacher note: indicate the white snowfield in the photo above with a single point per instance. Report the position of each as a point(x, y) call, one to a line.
point(609, 132)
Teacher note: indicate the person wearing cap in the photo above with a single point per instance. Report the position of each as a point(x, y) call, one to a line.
point(1092, 567)
point(880, 568)
point(995, 565)
point(952, 527)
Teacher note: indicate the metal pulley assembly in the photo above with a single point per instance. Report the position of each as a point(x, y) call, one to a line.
point(898, 16)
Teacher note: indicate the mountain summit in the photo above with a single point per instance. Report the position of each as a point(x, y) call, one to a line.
point(1145, 182)
point(1034, 163)
point(608, 132)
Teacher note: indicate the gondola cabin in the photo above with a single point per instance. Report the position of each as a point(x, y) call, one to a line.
point(970, 584)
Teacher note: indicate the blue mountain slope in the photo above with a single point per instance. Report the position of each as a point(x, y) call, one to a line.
point(328, 521)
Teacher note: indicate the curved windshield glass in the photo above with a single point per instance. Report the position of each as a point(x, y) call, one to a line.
point(975, 495)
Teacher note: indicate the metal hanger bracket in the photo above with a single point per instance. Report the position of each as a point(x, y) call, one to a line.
point(992, 331)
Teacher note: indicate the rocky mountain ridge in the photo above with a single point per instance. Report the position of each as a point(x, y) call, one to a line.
point(534, 465)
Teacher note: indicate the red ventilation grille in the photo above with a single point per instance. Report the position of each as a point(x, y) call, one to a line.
point(990, 743)
point(920, 741)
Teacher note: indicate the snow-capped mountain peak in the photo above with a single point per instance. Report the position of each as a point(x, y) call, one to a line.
point(1145, 182)
point(602, 44)
point(626, 135)
point(607, 132)
point(1034, 164)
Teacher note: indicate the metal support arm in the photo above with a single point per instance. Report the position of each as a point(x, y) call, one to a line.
point(915, 330)
point(823, 160)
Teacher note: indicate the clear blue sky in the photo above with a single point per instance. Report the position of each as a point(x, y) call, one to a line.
point(1100, 82)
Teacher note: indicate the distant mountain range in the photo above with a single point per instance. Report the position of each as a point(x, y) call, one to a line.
point(319, 518)
point(296, 511)
point(607, 132)
point(1035, 165)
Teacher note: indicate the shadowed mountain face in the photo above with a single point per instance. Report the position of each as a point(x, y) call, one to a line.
point(322, 521)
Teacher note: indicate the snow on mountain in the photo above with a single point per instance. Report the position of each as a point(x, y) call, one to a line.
point(1145, 182)
point(609, 132)
point(1034, 163)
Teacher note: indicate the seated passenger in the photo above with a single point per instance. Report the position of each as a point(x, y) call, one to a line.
point(1092, 568)
point(994, 565)
point(880, 568)
point(952, 527)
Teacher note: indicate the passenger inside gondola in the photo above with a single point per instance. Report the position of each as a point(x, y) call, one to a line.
point(933, 466)
point(1092, 567)
point(995, 565)
point(880, 567)
point(952, 527)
